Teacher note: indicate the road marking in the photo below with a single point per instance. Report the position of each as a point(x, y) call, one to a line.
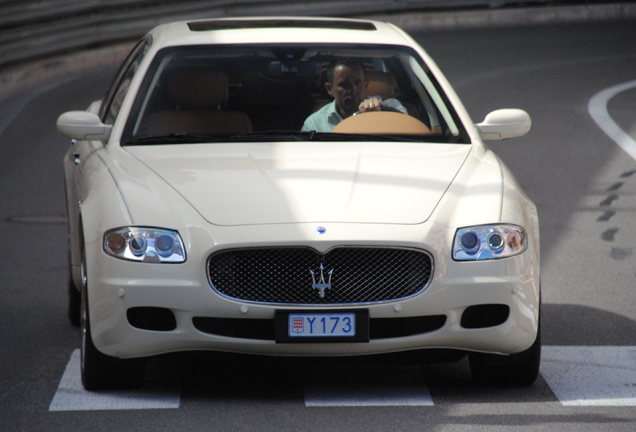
point(577, 375)
point(71, 396)
point(591, 375)
point(597, 107)
point(382, 385)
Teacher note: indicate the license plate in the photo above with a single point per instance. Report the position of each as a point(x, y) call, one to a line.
point(321, 325)
point(341, 326)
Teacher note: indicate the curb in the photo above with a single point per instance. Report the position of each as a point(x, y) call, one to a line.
point(511, 17)
point(36, 72)
point(30, 74)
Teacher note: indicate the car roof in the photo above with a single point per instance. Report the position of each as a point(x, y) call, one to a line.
point(277, 30)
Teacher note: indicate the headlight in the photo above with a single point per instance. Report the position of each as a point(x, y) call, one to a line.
point(145, 245)
point(489, 242)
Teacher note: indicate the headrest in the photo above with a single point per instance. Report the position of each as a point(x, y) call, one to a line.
point(196, 88)
point(380, 84)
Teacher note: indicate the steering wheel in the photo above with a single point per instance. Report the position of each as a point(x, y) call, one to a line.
point(382, 123)
point(385, 108)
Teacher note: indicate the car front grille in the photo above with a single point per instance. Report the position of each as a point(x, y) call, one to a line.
point(349, 275)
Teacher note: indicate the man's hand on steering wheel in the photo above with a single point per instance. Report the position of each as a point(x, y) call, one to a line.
point(371, 104)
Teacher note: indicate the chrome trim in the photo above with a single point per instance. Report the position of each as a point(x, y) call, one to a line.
point(322, 285)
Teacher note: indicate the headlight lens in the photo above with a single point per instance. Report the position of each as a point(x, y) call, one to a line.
point(489, 242)
point(165, 245)
point(469, 242)
point(145, 245)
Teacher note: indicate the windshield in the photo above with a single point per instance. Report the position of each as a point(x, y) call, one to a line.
point(294, 92)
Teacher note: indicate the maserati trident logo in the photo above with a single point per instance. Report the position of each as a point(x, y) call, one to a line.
point(321, 285)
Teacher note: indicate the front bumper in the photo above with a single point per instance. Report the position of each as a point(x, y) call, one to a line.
point(115, 286)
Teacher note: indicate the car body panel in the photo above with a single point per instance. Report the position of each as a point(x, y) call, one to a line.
point(322, 182)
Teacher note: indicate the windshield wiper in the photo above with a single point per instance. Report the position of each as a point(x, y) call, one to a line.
point(178, 138)
point(273, 135)
point(286, 135)
point(185, 137)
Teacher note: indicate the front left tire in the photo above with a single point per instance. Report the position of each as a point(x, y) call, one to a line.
point(74, 299)
point(520, 369)
point(74, 296)
point(98, 370)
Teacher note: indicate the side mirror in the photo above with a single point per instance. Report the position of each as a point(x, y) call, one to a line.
point(503, 124)
point(82, 125)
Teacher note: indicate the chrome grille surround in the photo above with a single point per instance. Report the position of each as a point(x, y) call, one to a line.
point(282, 276)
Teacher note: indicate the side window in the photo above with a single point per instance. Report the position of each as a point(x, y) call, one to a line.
point(119, 88)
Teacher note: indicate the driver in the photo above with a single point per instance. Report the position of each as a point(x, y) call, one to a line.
point(347, 84)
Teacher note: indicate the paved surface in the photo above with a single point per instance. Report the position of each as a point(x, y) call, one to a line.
point(583, 183)
point(579, 376)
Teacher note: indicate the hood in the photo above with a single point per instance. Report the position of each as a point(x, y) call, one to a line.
point(278, 183)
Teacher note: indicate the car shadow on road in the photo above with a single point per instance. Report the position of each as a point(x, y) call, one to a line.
point(570, 324)
point(562, 325)
point(225, 377)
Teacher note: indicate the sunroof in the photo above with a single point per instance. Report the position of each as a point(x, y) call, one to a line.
point(280, 23)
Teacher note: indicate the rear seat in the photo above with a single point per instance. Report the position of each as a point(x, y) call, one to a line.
point(272, 104)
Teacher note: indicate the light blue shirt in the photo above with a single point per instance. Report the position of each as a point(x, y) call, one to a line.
point(327, 117)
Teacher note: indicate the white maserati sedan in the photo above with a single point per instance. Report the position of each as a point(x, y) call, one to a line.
point(303, 187)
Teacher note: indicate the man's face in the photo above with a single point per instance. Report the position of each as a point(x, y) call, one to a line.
point(349, 88)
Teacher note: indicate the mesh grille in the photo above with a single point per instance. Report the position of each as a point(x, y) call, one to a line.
point(283, 276)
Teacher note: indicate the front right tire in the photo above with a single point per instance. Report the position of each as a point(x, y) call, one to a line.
point(74, 301)
point(98, 370)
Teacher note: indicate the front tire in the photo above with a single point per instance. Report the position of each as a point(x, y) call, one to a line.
point(520, 369)
point(74, 296)
point(74, 302)
point(100, 371)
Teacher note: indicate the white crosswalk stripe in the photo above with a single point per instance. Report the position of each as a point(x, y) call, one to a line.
point(71, 396)
point(577, 375)
point(591, 375)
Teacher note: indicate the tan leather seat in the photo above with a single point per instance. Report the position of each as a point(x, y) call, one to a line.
point(380, 84)
point(197, 96)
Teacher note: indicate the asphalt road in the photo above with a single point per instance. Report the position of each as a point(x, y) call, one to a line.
point(583, 183)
